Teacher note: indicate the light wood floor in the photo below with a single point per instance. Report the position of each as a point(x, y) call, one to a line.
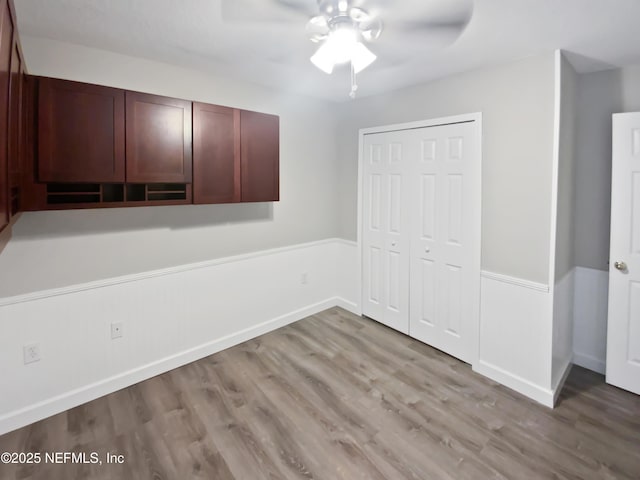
point(335, 396)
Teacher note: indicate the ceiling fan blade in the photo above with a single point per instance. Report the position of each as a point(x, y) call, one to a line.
point(408, 40)
point(445, 28)
point(275, 11)
point(435, 24)
point(370, 28)
point(317, 28)
point(435, 11)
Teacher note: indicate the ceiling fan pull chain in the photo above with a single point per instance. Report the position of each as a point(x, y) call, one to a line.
point(354, 85)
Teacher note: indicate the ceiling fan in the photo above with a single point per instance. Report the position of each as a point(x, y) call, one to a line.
point(345, 29)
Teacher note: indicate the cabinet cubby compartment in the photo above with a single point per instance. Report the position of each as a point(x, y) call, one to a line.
point(72, 193)
point(156, 192)
point(166, 191)
point(15, 200)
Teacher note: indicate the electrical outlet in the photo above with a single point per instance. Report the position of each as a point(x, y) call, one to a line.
point(304, 278)
point(117, 330)
point(31, 353)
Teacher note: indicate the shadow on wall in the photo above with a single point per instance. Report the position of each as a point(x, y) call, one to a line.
point(582, 63)
point(51, 224)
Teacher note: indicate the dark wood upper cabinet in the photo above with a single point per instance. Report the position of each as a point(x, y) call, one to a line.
point(260, 156)
point(80, 132)
point(16, 129)
point(104, 147)
point(216, 154)
point(15, 110)
point(6, 46)
point(158, 145)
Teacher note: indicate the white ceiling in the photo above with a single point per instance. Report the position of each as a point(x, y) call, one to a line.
point(195, 33)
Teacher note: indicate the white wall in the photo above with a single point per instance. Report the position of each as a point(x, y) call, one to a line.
point(563, 253)
point(54, 249)
point(599, 95)
point(516, 101)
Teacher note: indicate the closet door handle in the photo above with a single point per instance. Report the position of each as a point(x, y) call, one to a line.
point(427, 250)
point(620, 265)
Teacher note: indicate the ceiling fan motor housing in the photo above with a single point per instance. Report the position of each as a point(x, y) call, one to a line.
point(332, 7)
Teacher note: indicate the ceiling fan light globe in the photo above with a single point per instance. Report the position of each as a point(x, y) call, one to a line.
point(323, 59)
point(341, 43)
point(361, 57)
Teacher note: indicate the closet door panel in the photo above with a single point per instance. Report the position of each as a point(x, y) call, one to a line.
point(445, 233)
point(385, 230)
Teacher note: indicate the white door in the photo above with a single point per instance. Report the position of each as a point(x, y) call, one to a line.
point(385, 236)
point(623, 330)
point(445, 238)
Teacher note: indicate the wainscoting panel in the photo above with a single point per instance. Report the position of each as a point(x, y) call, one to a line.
point(515, 335)
point(563, 294)
point(170, 318)
point(590, 318)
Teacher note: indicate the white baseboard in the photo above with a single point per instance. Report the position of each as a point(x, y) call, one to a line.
point(514, 382)
point(349, 306)
point(563, 378)
point(589, 362)
point(32, 413)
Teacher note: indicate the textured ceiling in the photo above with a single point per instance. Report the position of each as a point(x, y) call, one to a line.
point(264, 42)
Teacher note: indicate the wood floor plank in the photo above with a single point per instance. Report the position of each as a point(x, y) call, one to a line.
point(336, 396)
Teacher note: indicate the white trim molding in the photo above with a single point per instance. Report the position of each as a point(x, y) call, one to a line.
point(432, 122)
point(557, 388)
point(521, 385)
point(520, 282)
point(29, 297)
point(590, 362)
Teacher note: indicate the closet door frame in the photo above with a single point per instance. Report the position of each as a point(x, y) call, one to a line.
point(477, 220)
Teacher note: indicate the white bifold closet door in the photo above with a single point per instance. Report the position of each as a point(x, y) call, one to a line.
point(386, 230)
point(421, 234)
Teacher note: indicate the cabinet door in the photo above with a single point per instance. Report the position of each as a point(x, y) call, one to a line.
point(6, 43)
point(260, 156)
point(216, 154)
point(15, 128)
point(81, 132)
point(158, 139)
